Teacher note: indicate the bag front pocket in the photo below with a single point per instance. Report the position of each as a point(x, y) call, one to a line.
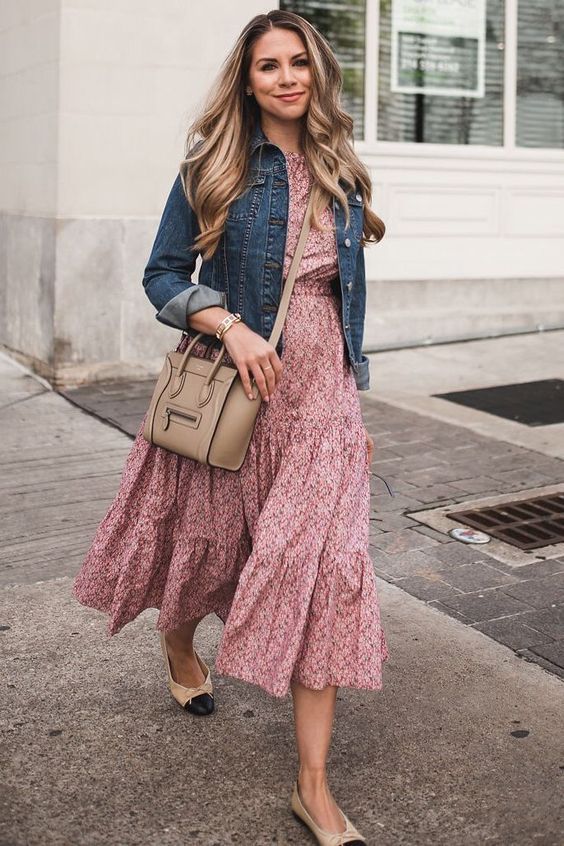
point(180, 417)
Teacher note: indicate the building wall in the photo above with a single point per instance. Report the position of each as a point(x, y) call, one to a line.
point(29, 82)
point(474, 245)
point(96, 98)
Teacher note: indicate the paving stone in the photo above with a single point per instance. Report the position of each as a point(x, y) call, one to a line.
point(550, 621)
point(432, 533)
point(403, 541)
point(513, 632)
point(435, 493)
point(536, 569)
point(405, 434)
point(383, 575)
point(487, 605)
point(540, 593)
point(475, 484)
point(384, 441)
point(553, 652)
point(389, 521)
point(397, 483)
point(399, 566)
point(425, 461)
point(385, 502)
point(378, 487)
point(437, 476)
point(418, 447)
point(426, 587)
point(452, 612)
point(456, 553)
point(384, 455)
point(523, 478)
point(475, 576)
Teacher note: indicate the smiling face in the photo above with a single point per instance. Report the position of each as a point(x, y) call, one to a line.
point(280, 67)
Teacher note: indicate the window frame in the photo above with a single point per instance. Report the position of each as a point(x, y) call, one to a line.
point(370, 145)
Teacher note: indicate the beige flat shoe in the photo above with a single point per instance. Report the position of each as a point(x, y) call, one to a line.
point(197, 700)
point(325, 838)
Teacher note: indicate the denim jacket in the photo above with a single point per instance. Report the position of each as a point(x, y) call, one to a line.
point(245, 272)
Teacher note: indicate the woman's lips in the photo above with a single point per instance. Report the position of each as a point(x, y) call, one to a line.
point(289, 98)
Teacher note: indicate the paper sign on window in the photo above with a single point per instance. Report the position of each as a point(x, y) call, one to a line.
point(438, 47)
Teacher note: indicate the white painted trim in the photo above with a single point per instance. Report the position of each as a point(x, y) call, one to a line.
point(477, 153)
point(510, 77)
point(371, 72)
point(508, 152)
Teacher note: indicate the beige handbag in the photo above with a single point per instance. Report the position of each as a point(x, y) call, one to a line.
point(199, 408)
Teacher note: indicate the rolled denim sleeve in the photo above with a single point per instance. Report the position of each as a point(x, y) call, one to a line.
point(167, 279)
point(362, 374)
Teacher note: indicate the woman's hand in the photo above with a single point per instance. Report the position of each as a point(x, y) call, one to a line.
point(370, 445)
point(254, 357)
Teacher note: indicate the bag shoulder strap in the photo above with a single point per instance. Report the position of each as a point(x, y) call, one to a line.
point(292, 273)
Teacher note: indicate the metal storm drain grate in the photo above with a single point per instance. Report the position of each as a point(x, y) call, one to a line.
point(526, 523)
point(539, 403)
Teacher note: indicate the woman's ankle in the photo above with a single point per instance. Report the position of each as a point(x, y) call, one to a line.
point(312, 778)
point(177, 641)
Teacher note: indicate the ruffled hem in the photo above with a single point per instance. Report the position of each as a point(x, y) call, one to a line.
point(310, 681)
point(181, 590)
point(332, 635)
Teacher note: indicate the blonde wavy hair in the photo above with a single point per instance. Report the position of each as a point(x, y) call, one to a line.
point(214, 171)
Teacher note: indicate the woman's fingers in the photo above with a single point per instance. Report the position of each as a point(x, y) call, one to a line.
point(260, 379)
point(276, 365)
point(272, 369)
point(255, 358)
point(245, 380)
point(265, 376)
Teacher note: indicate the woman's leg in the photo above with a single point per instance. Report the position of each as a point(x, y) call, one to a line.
point(313, 716)
point(180, 647)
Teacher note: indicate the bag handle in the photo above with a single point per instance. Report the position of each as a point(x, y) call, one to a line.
point(284, 300)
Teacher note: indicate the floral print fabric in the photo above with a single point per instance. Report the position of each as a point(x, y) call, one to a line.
point(279, 549)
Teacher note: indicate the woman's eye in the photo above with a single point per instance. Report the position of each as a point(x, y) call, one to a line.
point(299, 61)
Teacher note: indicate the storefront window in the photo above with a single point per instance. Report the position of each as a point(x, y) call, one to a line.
point(440, 77)
point(344, 27)
point(540, 74)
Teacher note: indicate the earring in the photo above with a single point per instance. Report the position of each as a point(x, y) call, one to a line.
point(248, 91)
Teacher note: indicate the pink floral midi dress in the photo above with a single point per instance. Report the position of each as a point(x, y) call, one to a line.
point(279, 549)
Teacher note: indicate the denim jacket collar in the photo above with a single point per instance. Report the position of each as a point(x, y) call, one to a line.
point(259, 137)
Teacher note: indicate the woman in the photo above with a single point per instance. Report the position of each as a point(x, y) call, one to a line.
point(279, 549)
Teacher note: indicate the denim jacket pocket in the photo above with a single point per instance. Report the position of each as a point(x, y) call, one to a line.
point(248, 202)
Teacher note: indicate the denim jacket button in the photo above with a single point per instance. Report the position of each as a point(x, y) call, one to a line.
point(358, 197)
point(347, 242)
point(349, 285)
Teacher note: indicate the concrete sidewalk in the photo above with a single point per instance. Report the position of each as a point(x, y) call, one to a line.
point(463, 746)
